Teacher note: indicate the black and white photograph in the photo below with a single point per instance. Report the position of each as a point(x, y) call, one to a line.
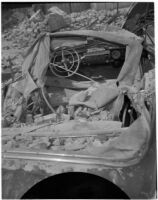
point(78, 100)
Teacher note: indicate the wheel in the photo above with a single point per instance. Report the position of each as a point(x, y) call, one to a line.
point(65, 62)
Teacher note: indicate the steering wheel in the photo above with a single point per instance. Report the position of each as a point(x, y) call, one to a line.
point(64, 62)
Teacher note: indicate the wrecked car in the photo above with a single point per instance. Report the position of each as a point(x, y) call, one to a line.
point(87, 133)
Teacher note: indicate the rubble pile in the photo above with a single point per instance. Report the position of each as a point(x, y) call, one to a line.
point(16, 39)
point(62, 114)
point(26, 32)
point(29, 29)
point(77, 106)
point(95, 20)
point(119, 21)
point(11, 62)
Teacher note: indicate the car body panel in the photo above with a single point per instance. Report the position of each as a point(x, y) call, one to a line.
point(137, 181)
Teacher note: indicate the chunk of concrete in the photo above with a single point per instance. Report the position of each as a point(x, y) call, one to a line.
point(56, 22)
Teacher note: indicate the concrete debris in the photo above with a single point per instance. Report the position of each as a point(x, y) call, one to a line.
point(28, 30)
point(56, 10)
point(37, 16)
point(56, 22)
point(95, 20)
point(150, 81)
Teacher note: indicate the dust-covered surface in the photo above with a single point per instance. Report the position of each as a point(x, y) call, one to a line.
point(75, 98)
point(44, 112)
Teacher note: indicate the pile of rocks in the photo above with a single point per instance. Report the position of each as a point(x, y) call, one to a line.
point(16, 39)
point(95, 20)
point(28, 30)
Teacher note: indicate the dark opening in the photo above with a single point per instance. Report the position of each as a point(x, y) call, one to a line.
point(126, 117)
point(75, 185)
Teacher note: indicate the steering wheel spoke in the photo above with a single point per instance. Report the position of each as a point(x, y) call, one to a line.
point(64, 62)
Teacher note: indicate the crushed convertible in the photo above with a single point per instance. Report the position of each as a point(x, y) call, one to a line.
point(75, 117)
point(120, 110)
